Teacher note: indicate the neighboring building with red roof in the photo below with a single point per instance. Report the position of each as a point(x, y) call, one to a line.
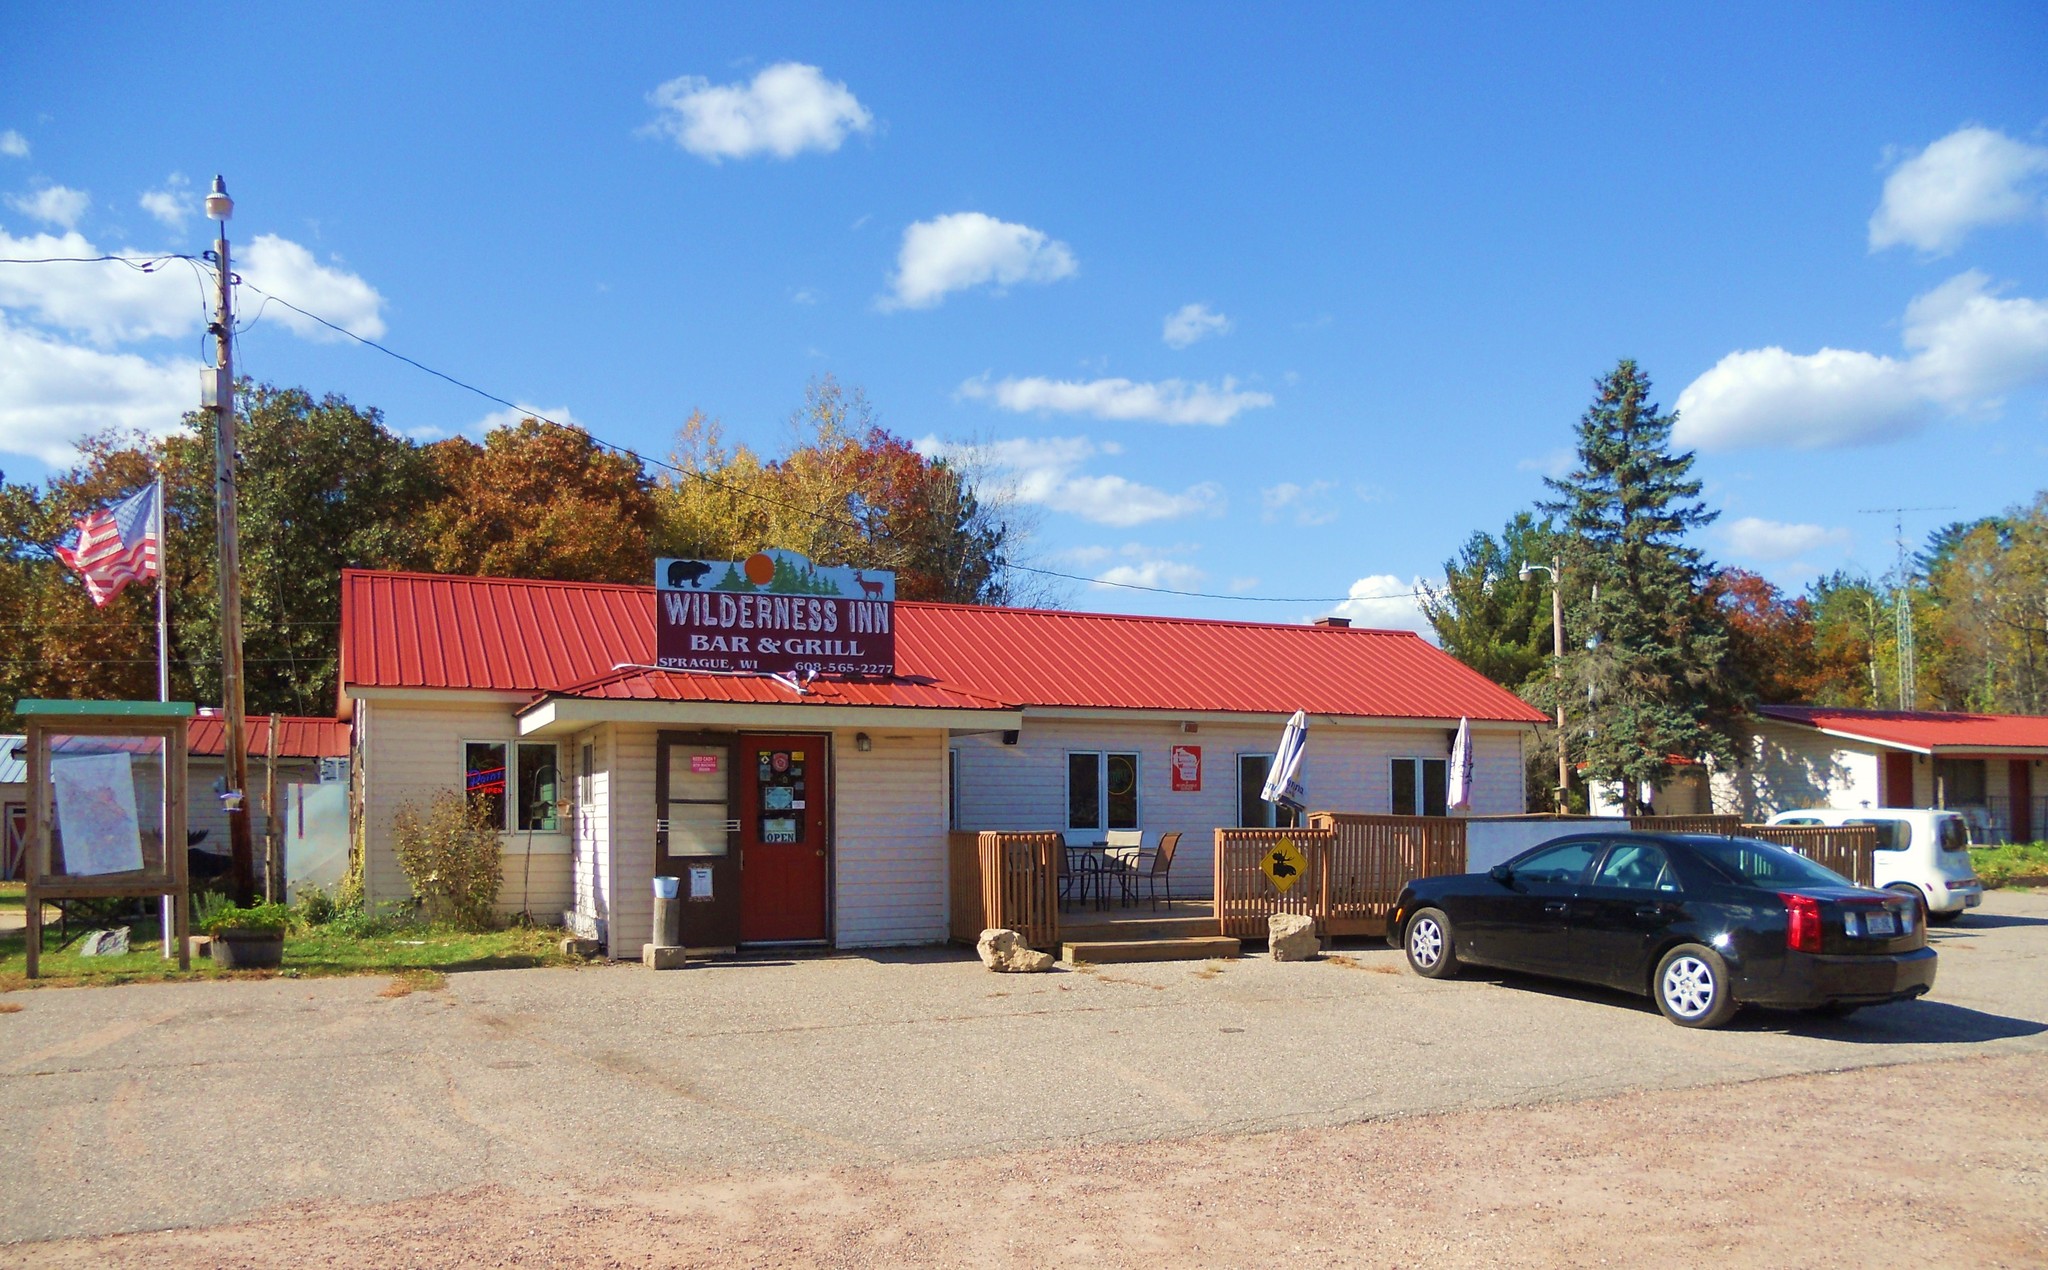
point(1825, 756)
point(310, 751)
point(606, 771)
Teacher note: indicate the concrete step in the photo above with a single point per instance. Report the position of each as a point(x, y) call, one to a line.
point(1161, 927)
point(1111, 952)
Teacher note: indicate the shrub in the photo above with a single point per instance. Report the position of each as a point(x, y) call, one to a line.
point(267, 918)
point(316, 907)
point(451, 856)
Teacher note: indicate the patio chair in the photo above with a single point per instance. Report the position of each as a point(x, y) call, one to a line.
point(1124, 847)
point(1153, 870)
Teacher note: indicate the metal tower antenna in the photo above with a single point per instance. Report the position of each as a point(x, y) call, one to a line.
point(1902, 600)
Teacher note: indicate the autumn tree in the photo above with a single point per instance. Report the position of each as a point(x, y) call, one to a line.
point(846, 492)
point(1647, 669)
point(1991, 589)
point(539, 500)
point(1771, 651)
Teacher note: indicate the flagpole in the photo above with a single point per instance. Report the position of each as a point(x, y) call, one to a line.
point(163, 620)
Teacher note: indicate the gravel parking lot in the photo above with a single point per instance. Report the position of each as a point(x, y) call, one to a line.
point(147, 1107)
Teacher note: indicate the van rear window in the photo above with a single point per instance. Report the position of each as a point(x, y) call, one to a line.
point(1955, 835)
point(1892, 835)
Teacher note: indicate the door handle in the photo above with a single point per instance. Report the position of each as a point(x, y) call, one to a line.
point(1556, 906)
point(1650, 910)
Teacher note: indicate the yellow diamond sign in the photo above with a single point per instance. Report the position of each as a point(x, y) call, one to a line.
point(1284, 864)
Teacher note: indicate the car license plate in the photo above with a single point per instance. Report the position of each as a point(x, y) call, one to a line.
point(1975, 898)
point(1881, 925)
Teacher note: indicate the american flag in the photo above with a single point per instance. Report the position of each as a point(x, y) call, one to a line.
point(114, 546)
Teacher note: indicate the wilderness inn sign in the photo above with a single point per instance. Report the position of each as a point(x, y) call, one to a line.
point(774, 613)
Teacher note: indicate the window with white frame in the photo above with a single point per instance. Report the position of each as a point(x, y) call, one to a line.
point(1421, 787)
point(1254, 812)
point(1102, 790)
point(519, 783)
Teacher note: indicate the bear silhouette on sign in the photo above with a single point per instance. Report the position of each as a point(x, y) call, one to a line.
point(682, 573)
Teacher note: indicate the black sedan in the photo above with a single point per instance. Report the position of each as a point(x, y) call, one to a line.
point(1701, 924)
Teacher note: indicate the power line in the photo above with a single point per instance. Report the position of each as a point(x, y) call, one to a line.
point(812, 512)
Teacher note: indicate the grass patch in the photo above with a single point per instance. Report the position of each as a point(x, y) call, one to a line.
point(421, 955)
point(14, 895)
point(1998, 866)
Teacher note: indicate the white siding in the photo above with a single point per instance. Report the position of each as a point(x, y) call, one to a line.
point(202, 800)
point(628, 760)
point(1023, 786)
point(1784, 766)
point(412, 752)
point(889, 840)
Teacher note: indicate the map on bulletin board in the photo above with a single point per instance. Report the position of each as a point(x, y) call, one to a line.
point(96, 813)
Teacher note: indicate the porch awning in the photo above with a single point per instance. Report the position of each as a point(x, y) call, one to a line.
point(639, 694)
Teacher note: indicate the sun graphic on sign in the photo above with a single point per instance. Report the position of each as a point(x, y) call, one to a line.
point(760, 568)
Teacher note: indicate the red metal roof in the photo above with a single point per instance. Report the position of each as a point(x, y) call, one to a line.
point(405, 630)
point(1926, 730)
point(297, 736)
point(642, 684)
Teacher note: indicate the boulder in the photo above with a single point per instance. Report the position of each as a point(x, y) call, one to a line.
point(1005, 952)
point(104, 943)
point(1292, 937)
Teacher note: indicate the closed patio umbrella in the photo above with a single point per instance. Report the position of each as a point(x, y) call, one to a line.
point(1460, 796)
point(1283, 782)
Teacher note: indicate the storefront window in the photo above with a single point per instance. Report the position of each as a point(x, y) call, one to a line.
point(483, 776)
point(1254, 812)
point(539, 783)
point(1421, 787)
point(1102, 791)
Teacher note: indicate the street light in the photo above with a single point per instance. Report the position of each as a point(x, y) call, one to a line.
point(1556, 571)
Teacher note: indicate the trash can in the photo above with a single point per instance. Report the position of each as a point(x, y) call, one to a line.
point(666, 888)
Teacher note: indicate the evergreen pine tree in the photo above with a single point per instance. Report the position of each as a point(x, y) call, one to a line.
point(1646, 646)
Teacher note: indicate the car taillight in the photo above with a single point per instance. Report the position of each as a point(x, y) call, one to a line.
point(1802, 922)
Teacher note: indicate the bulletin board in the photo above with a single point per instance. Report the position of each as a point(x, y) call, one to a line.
point(106, 809)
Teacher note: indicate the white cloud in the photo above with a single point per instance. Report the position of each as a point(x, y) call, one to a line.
point(1760, 539)
point(1167, 401)
point(52, 393)
point(1556, 463)
point(106, 302)
point(969, 249)
point(13, 144)
point(1303, 504)
point(787, 109)
point(172, 205)
point(1384, 602)
point(288, 271)
point(58, 205)
point(1192, 322)
point(511, 418)
point(1973, 176)
point(1967, 347)
point(1044, 472)
point(1172, 575)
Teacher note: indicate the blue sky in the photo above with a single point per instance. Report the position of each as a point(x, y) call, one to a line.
point(1400, 243)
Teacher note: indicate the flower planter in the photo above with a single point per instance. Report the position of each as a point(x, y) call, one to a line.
point(248, 949)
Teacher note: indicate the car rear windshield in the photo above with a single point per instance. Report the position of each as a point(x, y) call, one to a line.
point(1765, 864)
point(1892, 835)
point(1955, 834)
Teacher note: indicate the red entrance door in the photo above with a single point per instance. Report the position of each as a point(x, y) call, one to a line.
point(1897, 790)
point(2022, 828)
point(782, 838)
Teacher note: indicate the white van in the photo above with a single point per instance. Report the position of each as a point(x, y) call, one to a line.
point(1920, 851)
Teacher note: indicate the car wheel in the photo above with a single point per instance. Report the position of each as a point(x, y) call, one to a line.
point(1692, 987)
point(1429, 945)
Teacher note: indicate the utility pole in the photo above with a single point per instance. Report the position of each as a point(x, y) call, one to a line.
point(1556, 571)
point(235, 798)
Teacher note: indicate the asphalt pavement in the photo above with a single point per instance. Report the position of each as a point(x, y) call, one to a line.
point(191, 1104)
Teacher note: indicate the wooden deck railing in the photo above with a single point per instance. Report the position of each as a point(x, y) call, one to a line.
point(1020, 884)
point(1850, 850)
point(1723, 825)
point(963, 886)
point(1357, 865)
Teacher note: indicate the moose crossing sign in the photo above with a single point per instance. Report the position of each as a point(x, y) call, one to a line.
point(1283, 865)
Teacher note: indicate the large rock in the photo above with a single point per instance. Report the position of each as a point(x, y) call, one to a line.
point(1006, 952)
point(1292, 937)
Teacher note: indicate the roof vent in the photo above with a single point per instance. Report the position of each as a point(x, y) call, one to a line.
point(1333, 621)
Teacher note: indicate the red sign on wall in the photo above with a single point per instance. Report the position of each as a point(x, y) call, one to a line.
point(1187, 769)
